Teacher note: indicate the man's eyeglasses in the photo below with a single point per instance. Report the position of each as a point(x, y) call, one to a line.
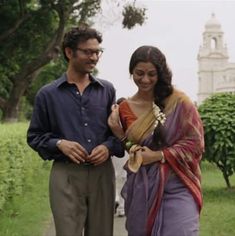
point(90, 52)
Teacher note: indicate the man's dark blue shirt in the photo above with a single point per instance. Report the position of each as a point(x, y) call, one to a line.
point(61, 112)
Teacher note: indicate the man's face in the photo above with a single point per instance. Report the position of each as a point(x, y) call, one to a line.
point(86, 56)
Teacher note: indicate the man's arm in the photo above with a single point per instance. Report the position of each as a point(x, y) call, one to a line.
point(39, 136)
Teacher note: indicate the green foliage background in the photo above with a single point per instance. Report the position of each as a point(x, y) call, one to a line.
point(18, 162)
point(30, 41)
point(218, 116)
point(24, 197)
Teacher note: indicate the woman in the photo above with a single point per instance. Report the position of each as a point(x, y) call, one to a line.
point(163, 133)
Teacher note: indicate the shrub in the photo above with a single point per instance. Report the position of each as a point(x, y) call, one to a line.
point(218, 115)
point(18, 162)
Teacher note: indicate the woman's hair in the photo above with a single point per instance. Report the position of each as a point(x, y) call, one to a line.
point(79, 35)
point(163, 87)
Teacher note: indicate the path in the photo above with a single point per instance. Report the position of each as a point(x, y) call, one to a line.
point(119, 227)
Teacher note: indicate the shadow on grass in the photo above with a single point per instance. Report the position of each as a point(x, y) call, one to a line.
point(216, 194)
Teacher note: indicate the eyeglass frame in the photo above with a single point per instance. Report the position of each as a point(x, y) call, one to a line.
point(89, 52)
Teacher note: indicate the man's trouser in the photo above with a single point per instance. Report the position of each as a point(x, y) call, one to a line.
point(82, 198)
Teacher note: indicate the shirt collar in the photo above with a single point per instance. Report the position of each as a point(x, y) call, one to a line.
point(63, 79)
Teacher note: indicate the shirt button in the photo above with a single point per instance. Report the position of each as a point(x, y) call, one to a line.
point(83, 108)
point(85, 124)
point(88, 140)
point(77, 93)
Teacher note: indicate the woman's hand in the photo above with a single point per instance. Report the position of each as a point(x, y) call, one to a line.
point(149, 156)
point(114, 122)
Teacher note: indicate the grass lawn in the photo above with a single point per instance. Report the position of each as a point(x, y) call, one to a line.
point(28, 214)
point(218, 214)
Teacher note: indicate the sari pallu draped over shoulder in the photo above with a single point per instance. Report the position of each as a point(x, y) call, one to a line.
point(184, 145)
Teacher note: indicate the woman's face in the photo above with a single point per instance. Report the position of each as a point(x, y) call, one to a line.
point(145, 76)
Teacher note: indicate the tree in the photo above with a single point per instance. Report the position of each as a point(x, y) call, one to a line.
point(30, 38)
point(133, 15)
point(218, 116)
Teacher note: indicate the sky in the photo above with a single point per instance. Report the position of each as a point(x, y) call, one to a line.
point(175, 27)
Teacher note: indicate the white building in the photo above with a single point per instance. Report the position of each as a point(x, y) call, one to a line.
point(215, 72)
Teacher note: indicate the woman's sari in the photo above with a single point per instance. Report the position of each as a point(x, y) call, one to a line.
point(165, 198)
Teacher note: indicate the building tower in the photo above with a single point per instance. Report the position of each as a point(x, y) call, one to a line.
point(213, 66)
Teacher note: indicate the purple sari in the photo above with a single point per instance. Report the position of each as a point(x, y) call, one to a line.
point(165, 199)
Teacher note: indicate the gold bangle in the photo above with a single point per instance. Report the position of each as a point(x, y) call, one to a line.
point(123, 139)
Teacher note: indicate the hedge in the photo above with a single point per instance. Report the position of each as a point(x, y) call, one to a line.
point(18, 162)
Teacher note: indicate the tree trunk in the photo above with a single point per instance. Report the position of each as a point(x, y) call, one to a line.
point(11, 108)
point(22, 80)
point(226, 177)
point(27, 74)
point(10, 113)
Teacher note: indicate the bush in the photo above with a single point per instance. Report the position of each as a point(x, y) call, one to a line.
point(17, 163)
point(218, 116)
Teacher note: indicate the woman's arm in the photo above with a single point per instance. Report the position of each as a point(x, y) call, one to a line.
point(115, 124)
point(149, 156)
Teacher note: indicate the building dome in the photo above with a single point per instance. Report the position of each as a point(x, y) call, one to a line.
point(215, 73)
point(212, 24)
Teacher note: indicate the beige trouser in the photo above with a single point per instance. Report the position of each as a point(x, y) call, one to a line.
point(82, 199)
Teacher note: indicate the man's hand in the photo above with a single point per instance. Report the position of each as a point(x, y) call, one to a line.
point(99, 155)
point(73, 150)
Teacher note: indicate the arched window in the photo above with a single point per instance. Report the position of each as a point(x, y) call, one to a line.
point(213, 43)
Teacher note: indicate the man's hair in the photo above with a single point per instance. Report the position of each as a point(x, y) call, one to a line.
point(79, 35)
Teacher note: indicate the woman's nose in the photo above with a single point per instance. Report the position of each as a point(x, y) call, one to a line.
point(145, 78)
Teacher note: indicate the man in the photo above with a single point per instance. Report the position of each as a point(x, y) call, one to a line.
point(69, 125)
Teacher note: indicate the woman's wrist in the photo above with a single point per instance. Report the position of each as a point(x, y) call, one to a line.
point(126, 142)
point(123, 138)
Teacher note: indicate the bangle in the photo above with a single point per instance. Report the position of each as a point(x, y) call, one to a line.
point(128, 144)
point(163, 160)
point(123, 139)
